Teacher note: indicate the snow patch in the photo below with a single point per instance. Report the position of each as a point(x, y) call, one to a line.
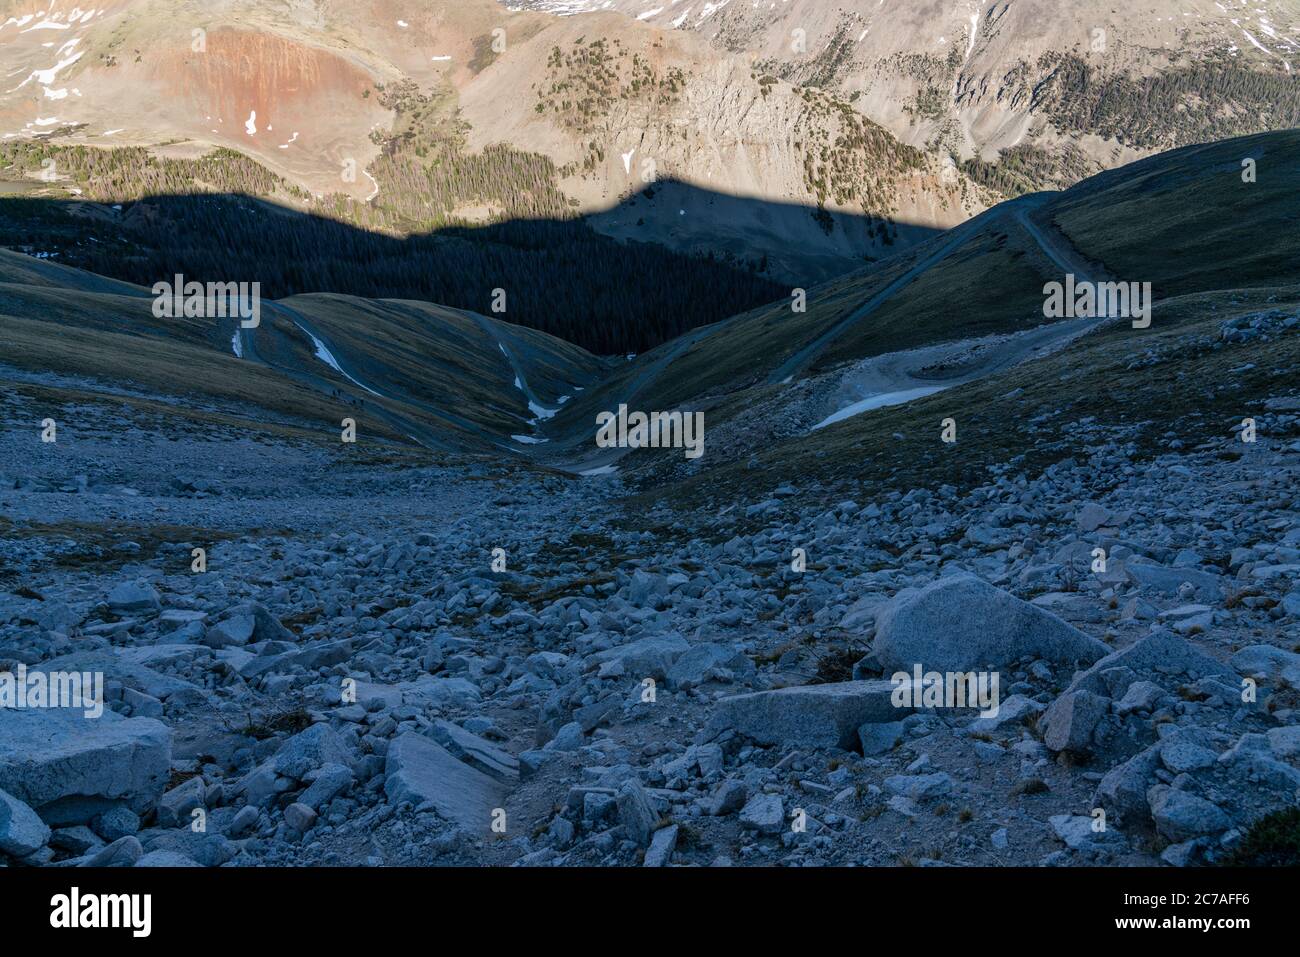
point(325, 356)
point(877, 402)
point(46, 77)
point(47, 25)
point(541, 413)
point(974, 31)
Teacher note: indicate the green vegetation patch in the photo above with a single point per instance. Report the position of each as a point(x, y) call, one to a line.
point(1272, 841)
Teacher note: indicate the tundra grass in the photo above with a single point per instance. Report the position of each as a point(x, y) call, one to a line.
point(1038, 413)
point(1187, 222)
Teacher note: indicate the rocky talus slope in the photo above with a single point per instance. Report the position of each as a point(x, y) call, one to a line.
point(350, 679)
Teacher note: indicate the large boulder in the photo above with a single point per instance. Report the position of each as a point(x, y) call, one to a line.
point(662, 845)
point(235, 631)
point(635, 813)
point(204, 848)
point(649, 657)
point(709, 661)
point(1271, 662)
point(1123, 790)
point(123, 852)
point(645, 587)
point(1070, 721)
point(880, 738)
point(251, 622)
point(426, 774)
point(961, 622)
point(69, 767)
point(300, 758)
point(1093, 516)
point(308, 751)
point(1015, 710)
point(177, 805)
point(920, 787)
point(133, 598)
point(166, 859)
point(814, 716)
point(862, 613)
point(1180, 816)
point(331, 780)
point(763, 813)
point(1158, 653)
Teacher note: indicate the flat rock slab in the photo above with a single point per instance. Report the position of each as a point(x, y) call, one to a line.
point(815, 716)
point(1071, 607)
point(1168, 581)
point(69, 767)
point(763, 813)
point(662, 846)
point(472, 749)
point(123, 666)
point(155, 656)
point(445, 692)
point(422, 771)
